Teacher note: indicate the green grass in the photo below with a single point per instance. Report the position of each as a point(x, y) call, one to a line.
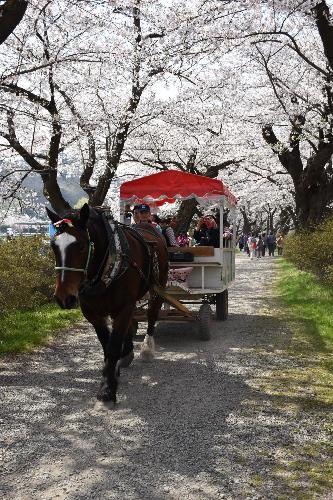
point(25, 330)
point(309, 303)
point(302, 386)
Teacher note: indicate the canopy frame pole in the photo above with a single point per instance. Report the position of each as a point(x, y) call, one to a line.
point(122, 204)
point(233, 212)
point(221, 225)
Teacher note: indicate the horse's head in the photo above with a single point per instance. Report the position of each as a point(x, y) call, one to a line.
point(72, 248)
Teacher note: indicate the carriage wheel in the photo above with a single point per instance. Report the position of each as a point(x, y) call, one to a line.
point(222, 306)
point(204, 320)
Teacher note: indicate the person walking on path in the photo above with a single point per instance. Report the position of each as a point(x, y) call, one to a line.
point(241, 242)
point(252, 245)
point(271, 243)
point(279, 244)
point(264, 244)
point(246, 245)
point(260, 245)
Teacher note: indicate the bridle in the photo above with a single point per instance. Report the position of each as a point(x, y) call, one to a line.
point(90, 251)
point(116, 259)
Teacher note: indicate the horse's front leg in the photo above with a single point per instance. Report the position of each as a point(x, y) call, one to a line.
point(114, 350)
point(148, 345)
point(101, 327)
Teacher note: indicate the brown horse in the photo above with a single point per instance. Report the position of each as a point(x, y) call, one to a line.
point(87, 248)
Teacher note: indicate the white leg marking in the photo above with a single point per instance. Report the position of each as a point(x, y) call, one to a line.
point(147, 349)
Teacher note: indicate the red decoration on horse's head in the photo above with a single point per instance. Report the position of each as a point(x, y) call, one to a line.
point(64, 222)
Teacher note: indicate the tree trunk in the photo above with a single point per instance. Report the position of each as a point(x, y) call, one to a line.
point(312, 202)
point(52, 192)
point(271, 221)
point(313, 183)
point(284, 222)
point(185, 215)
point(247, 224)
point(11, 14)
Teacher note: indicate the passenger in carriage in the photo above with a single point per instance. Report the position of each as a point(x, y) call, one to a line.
point(227, 235)
point(136, 215)
point(207, 232)
point(168, 232)
point(142, 214)
point(156, 221)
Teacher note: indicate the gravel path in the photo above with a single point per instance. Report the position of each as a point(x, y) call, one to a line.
point(203, 421)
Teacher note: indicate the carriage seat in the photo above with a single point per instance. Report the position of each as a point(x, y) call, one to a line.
point(199, 251)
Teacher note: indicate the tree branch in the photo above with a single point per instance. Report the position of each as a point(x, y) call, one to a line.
point(294, 47)
point(212, 171)
point(88, 169)
point(17, 90)
point(15, 144)
point(322, 16)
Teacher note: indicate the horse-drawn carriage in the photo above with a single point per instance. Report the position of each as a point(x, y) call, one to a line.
point(108, 267)
point(212, 270)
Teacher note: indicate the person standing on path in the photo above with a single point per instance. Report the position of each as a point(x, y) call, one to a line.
point(271, 243)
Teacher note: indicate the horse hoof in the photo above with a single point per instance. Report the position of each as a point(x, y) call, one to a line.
point(147, 349)
point(106, 396)
point(126, 360)
point(106, 393)
point(146, 355)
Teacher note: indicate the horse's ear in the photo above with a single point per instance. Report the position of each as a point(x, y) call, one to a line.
point(52, 216)
point(84, 215)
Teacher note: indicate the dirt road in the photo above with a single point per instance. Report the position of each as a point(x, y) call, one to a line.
point(201, 422)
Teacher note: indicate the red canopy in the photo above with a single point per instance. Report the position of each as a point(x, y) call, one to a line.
point(171, 185)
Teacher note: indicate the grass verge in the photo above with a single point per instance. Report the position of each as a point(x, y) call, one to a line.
point(299, 387)
point(24, 330)
point(309, 303)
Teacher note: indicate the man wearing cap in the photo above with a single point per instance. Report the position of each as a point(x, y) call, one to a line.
point(141, 214)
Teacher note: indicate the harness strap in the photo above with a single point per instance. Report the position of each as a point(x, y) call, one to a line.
point(117, 249)
point(139, 237)
point(138, 269)
point(117, 257)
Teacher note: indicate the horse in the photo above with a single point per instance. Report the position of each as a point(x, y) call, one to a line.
point(107, 267)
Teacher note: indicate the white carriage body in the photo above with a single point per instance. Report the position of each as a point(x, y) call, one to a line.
point(211, 274)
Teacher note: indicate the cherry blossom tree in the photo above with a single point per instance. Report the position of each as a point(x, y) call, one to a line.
point(76, 93)
point(134, 87)
point(295, 50)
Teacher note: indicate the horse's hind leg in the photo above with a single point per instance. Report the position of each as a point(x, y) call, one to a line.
point(148, 345)
point(127, 354)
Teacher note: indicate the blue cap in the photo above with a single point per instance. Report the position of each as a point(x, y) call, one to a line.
point(143, 208)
